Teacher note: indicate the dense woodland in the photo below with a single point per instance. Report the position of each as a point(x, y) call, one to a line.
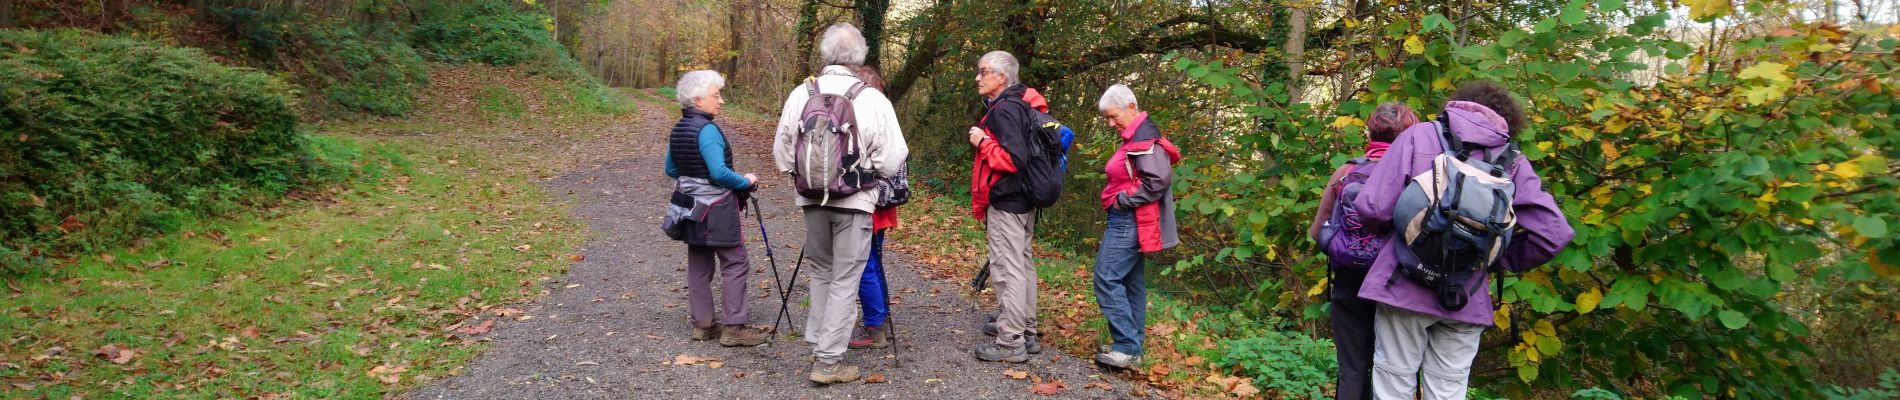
point(1730, 166)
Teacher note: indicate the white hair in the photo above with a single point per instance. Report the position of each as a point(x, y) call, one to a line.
point(842, 45)
point(695, 85)
point(1117, 97)
point(1003, 63)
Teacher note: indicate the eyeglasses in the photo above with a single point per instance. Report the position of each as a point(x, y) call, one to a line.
point(980, 72)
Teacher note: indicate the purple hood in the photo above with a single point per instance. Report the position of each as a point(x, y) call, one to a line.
point(1546, 230)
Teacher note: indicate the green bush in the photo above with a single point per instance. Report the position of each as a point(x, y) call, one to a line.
point(1889, 389)
point(492, 32)
point(349, 70)
point(506, 33)
point(111, 138)
point(1289, 361)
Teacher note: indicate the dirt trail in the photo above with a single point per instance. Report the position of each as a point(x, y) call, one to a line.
point(608, 328)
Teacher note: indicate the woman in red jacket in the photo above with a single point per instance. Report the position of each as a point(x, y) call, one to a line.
point(1140, 205)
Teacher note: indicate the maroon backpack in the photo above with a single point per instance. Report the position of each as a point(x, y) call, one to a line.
point(826, 157)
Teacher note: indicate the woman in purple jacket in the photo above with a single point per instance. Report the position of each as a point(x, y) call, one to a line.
point(1413, 334)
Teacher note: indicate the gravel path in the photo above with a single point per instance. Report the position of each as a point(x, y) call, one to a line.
point(609, 328)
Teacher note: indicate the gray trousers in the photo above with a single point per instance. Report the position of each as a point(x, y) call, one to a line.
point(1013, 274)
point(1406, 343)
point(699, 277)
point(838, 243)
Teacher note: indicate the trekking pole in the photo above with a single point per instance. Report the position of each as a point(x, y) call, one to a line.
point(777, 284)
point(890, 320)
point(785, 296)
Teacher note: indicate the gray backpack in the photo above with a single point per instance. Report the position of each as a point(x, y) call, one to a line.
point(826, 157)
point(1455, 218)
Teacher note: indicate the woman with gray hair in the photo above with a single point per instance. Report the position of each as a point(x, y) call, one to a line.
point(706, 211)
point(837, 225)
point(1140, 205)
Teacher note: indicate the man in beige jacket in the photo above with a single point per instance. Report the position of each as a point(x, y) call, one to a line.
point(838, 228)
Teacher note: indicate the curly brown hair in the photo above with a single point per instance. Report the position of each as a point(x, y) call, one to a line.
point(1493, 96)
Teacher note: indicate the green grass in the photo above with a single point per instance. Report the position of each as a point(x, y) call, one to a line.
point(304, 299)
point(498, 102)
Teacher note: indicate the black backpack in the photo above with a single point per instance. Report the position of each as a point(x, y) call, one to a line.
point(1040, 171)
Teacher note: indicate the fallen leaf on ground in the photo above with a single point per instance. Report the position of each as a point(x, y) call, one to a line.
point(689, 360)
point(249, 332)
point(875, 377)
point(1244, 388)
point(116, 354)
point(388, 374)
point(715, 364)
point(1099, 385)
point(1138, 391)
point(1159, 370)
point(523, 248)
point(507, 313)
point(478, 329)
point(1012, 373)
point(1050, 388)
point(576, 258)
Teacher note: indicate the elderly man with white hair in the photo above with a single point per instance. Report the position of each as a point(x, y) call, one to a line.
point(838, 211)
point(1140, 206)
point(998, 197)
point(705, 212)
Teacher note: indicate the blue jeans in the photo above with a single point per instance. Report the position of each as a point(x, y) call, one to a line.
point(871, 288)
point(1120, 286)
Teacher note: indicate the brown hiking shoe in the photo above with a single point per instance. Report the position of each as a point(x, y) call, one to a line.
point(741, 335)
point(875, 337)
point(706, 333)
point(828, 373)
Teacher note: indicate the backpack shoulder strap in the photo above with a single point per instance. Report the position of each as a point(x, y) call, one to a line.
point(1450, 141)
point(1506, 160)
point(811, 86)
point(853, 92)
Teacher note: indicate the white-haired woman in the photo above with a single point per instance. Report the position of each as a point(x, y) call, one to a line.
point(838, 226)
point(705, 211)
point(1140, 206)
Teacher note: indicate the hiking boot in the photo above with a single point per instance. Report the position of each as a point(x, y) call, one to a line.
point(996, 352)
point(1104, 349)
point(989, 325)
point(875, 337)
point(741, 335)
point(706, 333)
point(1117, 359)
point(828, 373)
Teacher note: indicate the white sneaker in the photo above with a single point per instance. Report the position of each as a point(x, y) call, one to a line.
point(1117, 359)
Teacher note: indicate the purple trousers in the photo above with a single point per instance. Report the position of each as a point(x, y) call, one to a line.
point(733, 267)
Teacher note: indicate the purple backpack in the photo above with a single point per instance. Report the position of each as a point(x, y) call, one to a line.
point(1348, 243)
point(827, 153)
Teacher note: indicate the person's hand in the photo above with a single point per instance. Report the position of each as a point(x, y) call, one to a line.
point(976, 135)
point(751, 180)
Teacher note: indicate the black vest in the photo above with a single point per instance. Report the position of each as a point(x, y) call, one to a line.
point(683, 144)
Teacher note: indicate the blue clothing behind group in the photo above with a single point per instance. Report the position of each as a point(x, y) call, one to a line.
point(871, 292)
point(712, 146)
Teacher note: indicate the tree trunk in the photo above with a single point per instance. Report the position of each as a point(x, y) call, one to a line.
point(807, 18)
point(110, 15)
point(1295, 53)
point(870, 15)
point(198, 11)
point(735, 44)
point(1020, 41)
point(6, 14)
